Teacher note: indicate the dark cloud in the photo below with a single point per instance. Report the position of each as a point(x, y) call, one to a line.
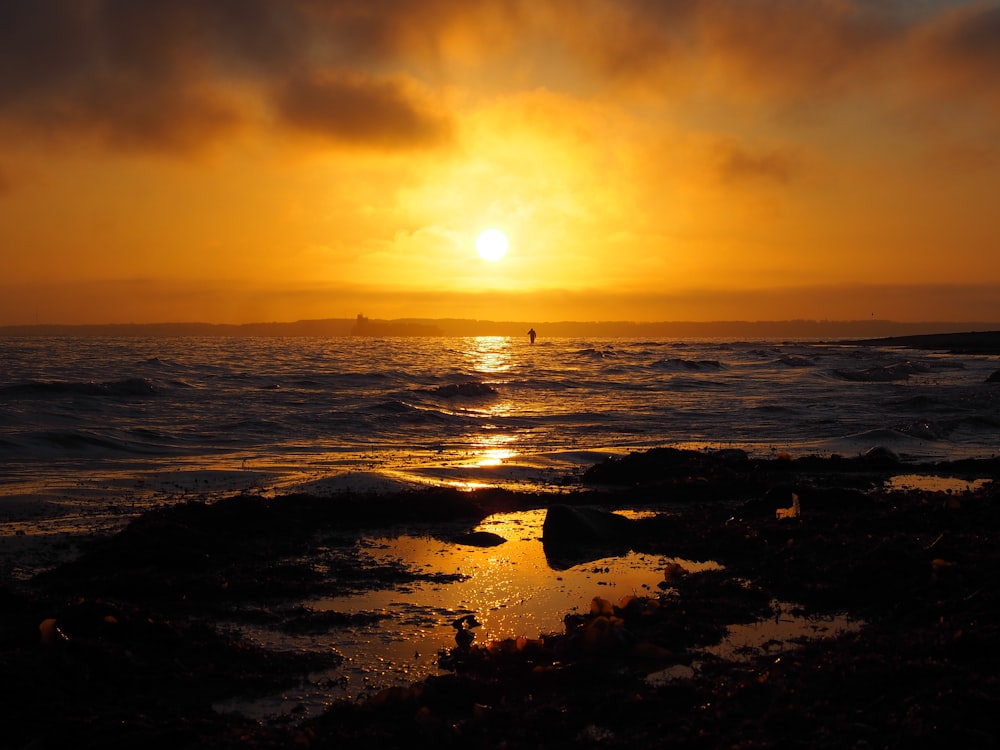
point(738, 163)
point(789, 50)
point(960, 53)
point(136, 75)
point(754, 47)
point(356, 109)
point(176, 74)
point(970, 36)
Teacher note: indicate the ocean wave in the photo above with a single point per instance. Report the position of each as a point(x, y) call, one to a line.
point(469, 389)
point(925, 429)
point(394, 406)
point(980, 422)
point(918, 402)
point(112, 388)
point(210, 400)
point(81, 440)
point(880, 436)
point(592, 353)
point(8, 445)
point(790, 360)
point(884, 373)
point(689, 365)
point(682, 383)
point(184, 384)
point(402, 412)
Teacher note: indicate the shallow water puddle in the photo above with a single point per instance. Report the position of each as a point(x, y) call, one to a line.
point(787, 627)
point(933, 483)
point(510, 588)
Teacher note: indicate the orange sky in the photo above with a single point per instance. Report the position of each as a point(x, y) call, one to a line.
point(258, 160)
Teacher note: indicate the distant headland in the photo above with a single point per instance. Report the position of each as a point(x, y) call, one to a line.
point(978, 336)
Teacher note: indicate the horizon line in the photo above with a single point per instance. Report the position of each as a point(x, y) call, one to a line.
point(362, 321)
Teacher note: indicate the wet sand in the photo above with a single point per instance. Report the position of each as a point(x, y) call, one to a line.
point(120, 644)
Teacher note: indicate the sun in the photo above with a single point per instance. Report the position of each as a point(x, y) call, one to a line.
point(491, 244)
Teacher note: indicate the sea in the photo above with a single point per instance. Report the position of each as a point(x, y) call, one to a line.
point(94, 431)
point(106, 424)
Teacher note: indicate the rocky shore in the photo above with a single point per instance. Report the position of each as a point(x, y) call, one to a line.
point(120, 647)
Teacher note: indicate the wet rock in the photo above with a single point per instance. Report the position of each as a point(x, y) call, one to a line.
point(880, 456)
point(660, 464)
point(569, 526)
point(479, 539)
point(571, 535)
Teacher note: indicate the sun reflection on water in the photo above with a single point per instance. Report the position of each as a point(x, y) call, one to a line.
point(495, 456)
point(491, 354)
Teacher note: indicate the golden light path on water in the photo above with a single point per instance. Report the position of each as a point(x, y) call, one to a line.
point(492, 357)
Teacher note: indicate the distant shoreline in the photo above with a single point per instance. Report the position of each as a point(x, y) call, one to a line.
point(934, 335)
point(968, 342)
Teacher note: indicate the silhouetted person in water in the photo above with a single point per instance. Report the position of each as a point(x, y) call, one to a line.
point(531, 335)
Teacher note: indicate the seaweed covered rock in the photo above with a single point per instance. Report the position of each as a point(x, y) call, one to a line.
point(574, 534)
point(663, 464)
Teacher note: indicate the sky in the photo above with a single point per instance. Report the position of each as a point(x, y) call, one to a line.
point(238, 161)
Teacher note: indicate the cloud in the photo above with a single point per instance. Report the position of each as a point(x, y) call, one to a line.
point(788, 51)
point(132, 75)
point(958, 54)
point(177, 75)
point(358, 109)
point(739, 163)
point(180, 75)
point(753, 48)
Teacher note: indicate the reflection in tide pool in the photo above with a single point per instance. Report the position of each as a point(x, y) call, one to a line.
point(933, 483)
point(786, 628)
point(510, 589)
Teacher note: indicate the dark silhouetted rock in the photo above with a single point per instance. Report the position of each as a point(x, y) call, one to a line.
point(570, 526)
point(479, 539)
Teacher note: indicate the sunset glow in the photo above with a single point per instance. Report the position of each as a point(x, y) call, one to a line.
point(492, 245)
point(760, 160)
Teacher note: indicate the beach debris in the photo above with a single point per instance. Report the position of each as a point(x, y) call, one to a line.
point(463, 627)
point(793, 511)
point(49, 632)
point(673, 572)
point(599, 606)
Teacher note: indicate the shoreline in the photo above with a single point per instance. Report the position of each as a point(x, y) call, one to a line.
point(41, 530)
point(135, 616)
point(967, 342)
